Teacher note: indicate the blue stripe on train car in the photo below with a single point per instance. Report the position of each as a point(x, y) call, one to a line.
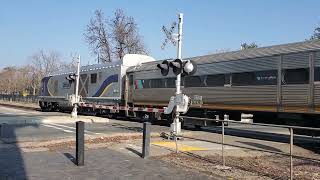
point(108, 81)
point(44, 89)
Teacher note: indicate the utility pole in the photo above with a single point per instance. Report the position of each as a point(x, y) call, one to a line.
point(74, 112)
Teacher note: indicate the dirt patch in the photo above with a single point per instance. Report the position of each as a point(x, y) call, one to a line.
point(263, 167)
point(100, 140)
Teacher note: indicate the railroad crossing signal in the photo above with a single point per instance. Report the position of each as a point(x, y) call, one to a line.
point(164, 67)
point(178, 67)
point(71, 77)
point(169, 35)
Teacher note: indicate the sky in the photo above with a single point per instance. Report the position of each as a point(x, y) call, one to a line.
point(209, 25)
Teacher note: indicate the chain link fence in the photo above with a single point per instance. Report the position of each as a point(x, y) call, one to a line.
point(19, 98)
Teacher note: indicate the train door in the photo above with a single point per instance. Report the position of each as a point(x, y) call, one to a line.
point(83, 85)
point(130, 89)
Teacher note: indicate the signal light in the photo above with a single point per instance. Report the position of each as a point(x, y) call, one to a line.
point(164, 67)
point(189, 67)
point(71, 77)
point(176, 66)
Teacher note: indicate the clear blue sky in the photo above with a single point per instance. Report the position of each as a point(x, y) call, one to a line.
point(27, 26)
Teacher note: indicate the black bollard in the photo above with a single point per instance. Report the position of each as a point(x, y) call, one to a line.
point(7, 131)
point(80, 143)
point(146, 140)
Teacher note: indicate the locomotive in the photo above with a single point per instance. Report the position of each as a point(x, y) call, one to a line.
point(279, 82)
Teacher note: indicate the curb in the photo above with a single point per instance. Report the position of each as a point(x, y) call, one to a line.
point(20, 107)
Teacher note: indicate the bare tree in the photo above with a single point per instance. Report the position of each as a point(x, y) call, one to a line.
point(27, 79)
point(97, 36)
point(125, 35)
point(7, 80)
point(43, 63)
point(111, 40)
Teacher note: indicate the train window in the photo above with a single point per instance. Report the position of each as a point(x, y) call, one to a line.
point(157, 83)
point(138, 84)
point(243, 79)
point(266, 77)
point(171, 83)
point(93, 78)
point(255, 78)
point(227, 80)
point(295, 76)
point(317, 74)
point(193, 81)
point(215, 80)
point(145, 83)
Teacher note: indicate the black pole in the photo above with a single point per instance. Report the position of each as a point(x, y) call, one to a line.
point(80, 143)
point(146, 140)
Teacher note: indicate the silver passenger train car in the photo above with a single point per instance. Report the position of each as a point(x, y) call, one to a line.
point(280, 81)
point(283, 80)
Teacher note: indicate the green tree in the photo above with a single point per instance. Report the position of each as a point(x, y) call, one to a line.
point(248, 46)
point(316, 34)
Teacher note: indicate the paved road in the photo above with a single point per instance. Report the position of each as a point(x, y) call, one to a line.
point(111, 163)
point(99, 164)
point(28, 125)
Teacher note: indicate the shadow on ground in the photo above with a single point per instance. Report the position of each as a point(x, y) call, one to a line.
point(12, 164)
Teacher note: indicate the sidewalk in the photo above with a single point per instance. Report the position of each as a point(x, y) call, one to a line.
point(99, 164)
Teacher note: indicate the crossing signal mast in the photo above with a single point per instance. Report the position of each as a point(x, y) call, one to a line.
point(75, 99)
point(180, 102)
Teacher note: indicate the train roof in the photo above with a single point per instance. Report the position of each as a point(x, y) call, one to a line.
point(311, 45)
point(128, 60)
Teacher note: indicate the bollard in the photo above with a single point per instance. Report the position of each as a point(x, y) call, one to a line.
point(291, 153)
point(222, 145)
point(146, 140)
point(80, 143)
point(7, 131)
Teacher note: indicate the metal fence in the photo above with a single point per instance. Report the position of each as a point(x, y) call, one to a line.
point(19, 98)
point(291, 139)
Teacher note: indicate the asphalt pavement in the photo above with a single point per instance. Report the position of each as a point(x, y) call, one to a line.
point(20, 158)
point(38, 126)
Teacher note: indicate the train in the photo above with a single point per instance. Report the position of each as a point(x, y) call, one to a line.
point(279, 84)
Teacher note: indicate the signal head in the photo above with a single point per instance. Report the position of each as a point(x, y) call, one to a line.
point(164, 67)
point(176, 66)
point(189, 67)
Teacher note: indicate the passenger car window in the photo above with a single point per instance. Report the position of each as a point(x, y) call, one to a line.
point(295, 76)
point(171, 83)
point(215, 80)
point(317, 74)
point(93, 78)
point(243, 79)
point(193, 81)
point(157, 83)
point(266, 77)
point(255, 78)
point(145, 83)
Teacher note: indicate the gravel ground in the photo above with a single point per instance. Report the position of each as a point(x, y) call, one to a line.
point(263, 167)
